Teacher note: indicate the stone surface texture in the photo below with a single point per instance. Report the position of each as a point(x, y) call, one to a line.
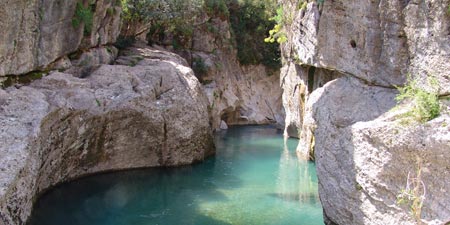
point(238, 94)
point(343, 108)
point(36, 33)
point(118, 117)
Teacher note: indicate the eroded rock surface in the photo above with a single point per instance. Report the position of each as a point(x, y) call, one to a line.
point(238, 94)
point(365, 157)
point(362, 152)
point(37, 33)
point(119, 117)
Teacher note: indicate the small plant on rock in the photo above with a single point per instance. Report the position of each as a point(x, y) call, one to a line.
point(425, 103)
point(199, 67)
point(84, 15)
point(414, 193)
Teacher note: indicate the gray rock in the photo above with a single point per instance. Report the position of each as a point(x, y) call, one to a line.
point(84, 64)
point(294, 82)
point(96, 56)
point(364, 157)
point(380, 42)
point(223, 125)
point(238, 94)
point(298, 82)
point(119, 117)
point(427, 33)
point(37, 33)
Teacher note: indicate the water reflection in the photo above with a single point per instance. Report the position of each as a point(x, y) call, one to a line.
point(248, 182)
point(295, 181)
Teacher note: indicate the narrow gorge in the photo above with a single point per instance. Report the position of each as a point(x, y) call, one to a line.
point(362, 89)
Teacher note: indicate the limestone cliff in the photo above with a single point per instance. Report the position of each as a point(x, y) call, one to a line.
point(85, 116)
point(238, 94)
point(342, 62)
point(37, 33)
point(118, 117)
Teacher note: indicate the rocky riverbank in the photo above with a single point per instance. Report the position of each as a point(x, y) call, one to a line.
point(342, 63)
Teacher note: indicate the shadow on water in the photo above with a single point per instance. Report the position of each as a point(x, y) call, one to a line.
point(246, 183)
point(147, 196)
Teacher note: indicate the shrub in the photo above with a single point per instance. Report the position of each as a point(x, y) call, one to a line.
point(199, 67)
point(250, 22)
point(276, 33)
point(84, 15)
point(124, 41)
point(216, 8)
point(425, 104)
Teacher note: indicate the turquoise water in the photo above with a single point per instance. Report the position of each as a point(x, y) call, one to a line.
point(255, 178)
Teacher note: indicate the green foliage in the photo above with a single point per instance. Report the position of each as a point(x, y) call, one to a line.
point(199, 67)
point(172, 22)
point(216, 8)
point(276, 34)
point(110, 11)
point(302, 4)
point(425, 104)
point(167, 13)
point(250, 20)
point(124, 41)
point(162, 19)
point(84, 15)
point(21, 79)
point(98, 102)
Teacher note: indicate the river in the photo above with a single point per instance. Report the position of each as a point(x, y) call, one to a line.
point(255, 178)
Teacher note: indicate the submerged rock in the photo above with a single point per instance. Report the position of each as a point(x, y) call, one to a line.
point(119, 117)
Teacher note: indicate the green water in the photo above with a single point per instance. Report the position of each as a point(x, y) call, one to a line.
point(255, 178)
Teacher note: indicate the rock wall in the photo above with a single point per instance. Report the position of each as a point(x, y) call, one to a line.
point(364, 156)
point(237, 94)
point(153, 113)
point(36, 33)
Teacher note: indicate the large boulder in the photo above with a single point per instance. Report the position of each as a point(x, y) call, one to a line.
point(36, 33)
point(61, 127)
point(379, 42)
point(366, 158)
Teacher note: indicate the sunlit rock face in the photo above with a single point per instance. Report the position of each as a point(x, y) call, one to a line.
point(118, 117)
point(37, 33)
point(238, 94)
point(363, 154)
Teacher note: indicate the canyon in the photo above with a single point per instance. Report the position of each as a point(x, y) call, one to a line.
point(73, 104)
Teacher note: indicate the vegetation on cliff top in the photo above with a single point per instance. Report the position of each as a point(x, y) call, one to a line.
point(177, 20)
point(250, 22)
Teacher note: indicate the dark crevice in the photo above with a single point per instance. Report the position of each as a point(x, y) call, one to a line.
point(295, 89)
point(311, 72)
point(161, 153)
